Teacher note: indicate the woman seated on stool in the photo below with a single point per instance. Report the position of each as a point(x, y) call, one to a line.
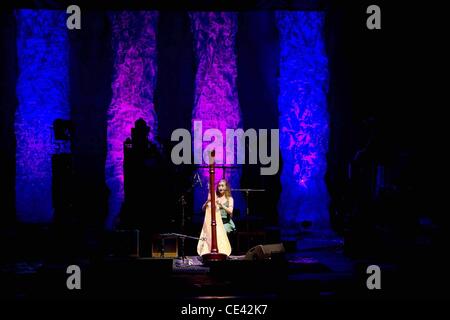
point(224, 203)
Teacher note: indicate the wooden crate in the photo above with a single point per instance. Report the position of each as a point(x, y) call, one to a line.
point(164, 247)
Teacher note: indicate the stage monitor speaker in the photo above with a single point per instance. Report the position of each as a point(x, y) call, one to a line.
point(263, 252)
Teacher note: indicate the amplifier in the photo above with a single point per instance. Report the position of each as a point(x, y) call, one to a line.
point(164, 247)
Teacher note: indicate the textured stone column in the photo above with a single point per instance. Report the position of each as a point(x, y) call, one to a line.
point(42, 92)
point(135, 66)
point(216, 102)
point(303, 121)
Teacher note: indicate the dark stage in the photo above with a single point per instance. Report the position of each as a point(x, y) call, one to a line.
point(322, 119)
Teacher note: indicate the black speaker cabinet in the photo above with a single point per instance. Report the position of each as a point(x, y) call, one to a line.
point(164, 247)
point(263, 252)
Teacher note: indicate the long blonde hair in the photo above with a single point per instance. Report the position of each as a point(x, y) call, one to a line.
point(227, 189)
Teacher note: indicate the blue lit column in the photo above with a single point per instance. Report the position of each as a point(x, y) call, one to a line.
point(42, 92)
point(303, 121)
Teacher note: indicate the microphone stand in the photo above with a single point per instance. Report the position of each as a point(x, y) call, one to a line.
point(183, 209)
point(183, 205)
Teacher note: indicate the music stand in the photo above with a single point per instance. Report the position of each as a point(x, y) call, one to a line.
point(247, 198)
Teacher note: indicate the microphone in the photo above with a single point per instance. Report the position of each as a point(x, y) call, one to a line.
point(197, 179)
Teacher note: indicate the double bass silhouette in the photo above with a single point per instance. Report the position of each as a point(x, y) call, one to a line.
point(213, 244)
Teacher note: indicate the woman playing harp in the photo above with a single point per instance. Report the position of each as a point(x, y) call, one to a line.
point(214, 244)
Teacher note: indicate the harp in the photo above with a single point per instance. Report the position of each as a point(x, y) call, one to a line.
point(213, 244)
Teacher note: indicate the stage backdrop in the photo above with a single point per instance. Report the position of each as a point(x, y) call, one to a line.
point(218, 66)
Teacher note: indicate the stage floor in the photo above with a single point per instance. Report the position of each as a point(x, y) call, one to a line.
point(312, 273)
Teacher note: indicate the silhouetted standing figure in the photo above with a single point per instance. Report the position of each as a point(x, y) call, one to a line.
point(147, 205)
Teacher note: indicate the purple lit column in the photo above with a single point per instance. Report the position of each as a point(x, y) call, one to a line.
point(135, 66)
point(303, 121)
point(216, 99)
point(42, 92)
